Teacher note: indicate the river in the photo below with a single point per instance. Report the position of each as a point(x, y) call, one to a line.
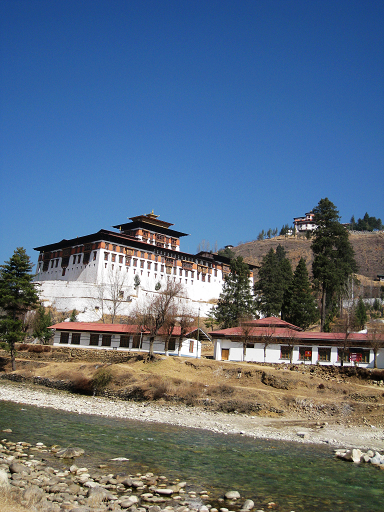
point(295, 476)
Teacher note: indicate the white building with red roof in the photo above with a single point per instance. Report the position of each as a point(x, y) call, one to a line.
point(126, 337)
point(271, 340)
point(304, 224)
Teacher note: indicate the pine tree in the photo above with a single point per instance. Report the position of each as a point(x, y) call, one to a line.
point(334, 259)
point(360, 314)
point(299, 306)
point(236, 300)
point(275, 275)
point(17, 296)
point(42, 321)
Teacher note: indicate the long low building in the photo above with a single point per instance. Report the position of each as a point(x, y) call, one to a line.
point(126, 337)
point(271, 340)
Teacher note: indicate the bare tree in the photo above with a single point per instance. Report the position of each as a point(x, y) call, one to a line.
point(110, 296)
point(346, 325)
point(290, 340)
point(169, 325)
point(151, 316)
point(245, 328)
point(186, 320)
point(267, 338)
point(375, 341)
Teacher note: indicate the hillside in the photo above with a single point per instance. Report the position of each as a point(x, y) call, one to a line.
point(369, 250)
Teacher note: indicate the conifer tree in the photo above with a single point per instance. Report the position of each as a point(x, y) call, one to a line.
point(299, 307)
point(275, 275)
point(360, 314)
point(17, 296)
point(42, 321)
point(334, 259)
point(236, 300)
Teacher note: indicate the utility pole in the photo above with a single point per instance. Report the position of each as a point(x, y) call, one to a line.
point(198, 332)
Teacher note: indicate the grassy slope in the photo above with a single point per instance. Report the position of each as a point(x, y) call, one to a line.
point(311, 393)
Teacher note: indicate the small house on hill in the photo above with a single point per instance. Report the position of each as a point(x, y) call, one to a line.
point(126, 337)
point(271, 340)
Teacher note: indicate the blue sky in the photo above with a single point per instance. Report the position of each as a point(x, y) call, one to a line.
point(224, 117)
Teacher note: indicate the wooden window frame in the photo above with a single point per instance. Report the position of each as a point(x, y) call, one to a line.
point(75, 338)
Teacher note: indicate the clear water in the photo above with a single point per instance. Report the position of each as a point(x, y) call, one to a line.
point(294, 476)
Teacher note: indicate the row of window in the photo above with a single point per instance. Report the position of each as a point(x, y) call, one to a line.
point(126, 341)
point(156, 265)
point(324, 354)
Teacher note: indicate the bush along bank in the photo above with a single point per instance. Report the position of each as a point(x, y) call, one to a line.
point(26, 476)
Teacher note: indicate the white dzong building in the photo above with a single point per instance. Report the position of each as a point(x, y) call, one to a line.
point(71, 273)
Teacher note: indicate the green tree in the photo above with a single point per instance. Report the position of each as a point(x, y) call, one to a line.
point(73, 317)
point(17, 296)
point(334, 259)
point(367, 223)
point(41, 323)
point(361, 314)
point(227, 253)
point(236, 300)
point(299, 305)
point(275, 275)
point(261, 235)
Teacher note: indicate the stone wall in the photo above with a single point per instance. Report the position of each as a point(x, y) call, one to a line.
point(70, 354)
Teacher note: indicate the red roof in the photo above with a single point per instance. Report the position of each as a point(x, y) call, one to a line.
point(272, 321)
point(109, 328)
point(95, 327)
point(282, 333)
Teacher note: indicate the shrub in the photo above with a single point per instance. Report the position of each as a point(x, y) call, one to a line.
point(156, 388)
point(22, 347)
point(377, 374)
point(81, 384)
point(321, 386)
point(101, 379)
point(38, 349)
point(220, 390)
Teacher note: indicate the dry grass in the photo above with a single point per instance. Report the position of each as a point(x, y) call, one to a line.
point(9, 503)
point(30, 347)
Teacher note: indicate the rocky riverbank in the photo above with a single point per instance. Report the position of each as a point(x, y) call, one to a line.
point(336, 434)
point(30, 477)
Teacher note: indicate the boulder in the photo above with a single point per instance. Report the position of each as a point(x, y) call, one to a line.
point(356, 455)
point(127, 503)
point(17, 467)
point(376, 460)
point(248, 505)
point(232, 495)
point(163, 492)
